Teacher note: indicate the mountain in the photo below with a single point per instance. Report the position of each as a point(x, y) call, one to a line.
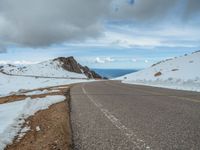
point(70, 64)
point(177, 73)
point(60, 67)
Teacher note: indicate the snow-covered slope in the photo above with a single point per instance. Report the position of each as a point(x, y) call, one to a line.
point(178, 73)
point(59, 71)
point(10, 84)
point(46, 69)
point(13, 115)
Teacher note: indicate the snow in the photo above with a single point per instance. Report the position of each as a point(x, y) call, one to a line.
point(27, 78)
point(181, 73)
point(45, 74)
point(13, 115)
point(37, 128)
point(10, 84)
point(48, 68)
point(38, 92)
point(23, 132)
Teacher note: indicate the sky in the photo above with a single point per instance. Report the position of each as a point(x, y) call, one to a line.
point(125, 34)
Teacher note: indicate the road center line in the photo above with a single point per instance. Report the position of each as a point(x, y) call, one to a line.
point(117, 123)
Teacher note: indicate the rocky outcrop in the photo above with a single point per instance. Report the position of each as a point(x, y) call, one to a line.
point(70, 64)
point(90, 73)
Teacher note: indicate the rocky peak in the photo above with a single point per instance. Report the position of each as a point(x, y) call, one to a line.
point(70, 64)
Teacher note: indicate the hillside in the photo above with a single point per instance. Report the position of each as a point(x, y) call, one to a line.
point(59, 67)
point(59, 71)
point(34, 103)
point(177, 73)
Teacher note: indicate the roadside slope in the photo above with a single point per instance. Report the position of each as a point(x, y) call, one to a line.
point(47, 129)
point(177, 73)
point(54, 131)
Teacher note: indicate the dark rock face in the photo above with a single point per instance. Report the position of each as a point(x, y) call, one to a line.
point(90, 73)
point(1, 68)
point(70, 64)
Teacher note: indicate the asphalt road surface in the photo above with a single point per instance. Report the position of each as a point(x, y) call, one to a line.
point(110, 115)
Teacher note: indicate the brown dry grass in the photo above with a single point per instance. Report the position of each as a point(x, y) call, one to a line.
point(157, 74)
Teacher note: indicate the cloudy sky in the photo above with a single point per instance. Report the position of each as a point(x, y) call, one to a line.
point(99, 33)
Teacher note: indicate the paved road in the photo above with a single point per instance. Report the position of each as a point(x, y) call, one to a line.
point(114, 116)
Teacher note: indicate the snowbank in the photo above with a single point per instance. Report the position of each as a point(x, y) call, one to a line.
point(9, 84)
point(38, 92)
point(179, 73)
point(13, 115)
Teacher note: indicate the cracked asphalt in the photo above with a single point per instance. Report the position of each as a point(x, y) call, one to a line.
point(109, 115)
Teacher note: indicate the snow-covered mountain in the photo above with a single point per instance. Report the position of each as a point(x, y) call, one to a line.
point(177, 73)
point(59, 67)
point(46, 69)
point(59, 71)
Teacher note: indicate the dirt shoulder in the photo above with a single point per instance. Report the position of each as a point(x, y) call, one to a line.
point(49, 129)
point(12, 98)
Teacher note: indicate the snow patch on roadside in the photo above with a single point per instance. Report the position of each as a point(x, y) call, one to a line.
point(13, 115)
point(37, 128)
point(10, 85)
point(38, 92)
point(181, 73)
point(23, 132)
point(171, 84)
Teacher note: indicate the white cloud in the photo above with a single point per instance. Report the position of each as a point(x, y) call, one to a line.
point(165, 36)
point(18, 62)
point(108, 59)
point(134, 60)
point(104, 60)
point(132, 37)
point(99, 60)
point(24, 62)
point(3, 62)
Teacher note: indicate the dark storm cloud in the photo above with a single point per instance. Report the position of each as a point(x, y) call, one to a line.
point(192, 8)
point(44, 22)
point(2, 49)
point(131, 2)
point(36, 23)
point(158, 10)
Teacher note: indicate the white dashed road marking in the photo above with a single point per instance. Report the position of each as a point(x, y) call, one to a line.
point(117, 123)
